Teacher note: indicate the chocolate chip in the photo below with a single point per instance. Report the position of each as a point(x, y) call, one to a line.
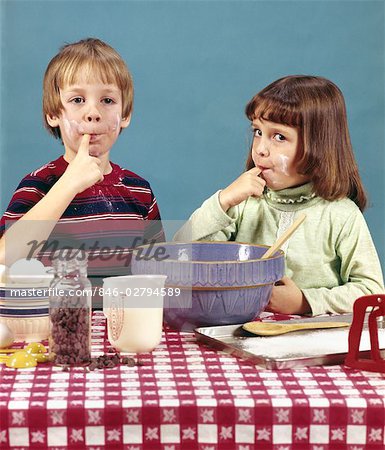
point(130, 362)
point(93, 365)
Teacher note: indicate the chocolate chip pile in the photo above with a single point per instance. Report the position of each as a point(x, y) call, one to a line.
point(107, 361)
point(70, 337)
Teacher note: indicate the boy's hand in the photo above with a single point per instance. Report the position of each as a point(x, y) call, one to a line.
point(287, 298)
point(84, 170)
point(248, 184)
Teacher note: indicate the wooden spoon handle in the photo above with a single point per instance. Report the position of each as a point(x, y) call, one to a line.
point(284, 237)
point(275, 329)
point(317, 325)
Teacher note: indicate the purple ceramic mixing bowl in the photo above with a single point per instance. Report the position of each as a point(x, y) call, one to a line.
point(219, 283)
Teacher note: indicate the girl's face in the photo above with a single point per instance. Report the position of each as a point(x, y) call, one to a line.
point(90, 107)
point(274, 152)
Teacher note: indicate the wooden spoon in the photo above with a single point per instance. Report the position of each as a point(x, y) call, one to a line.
point(274, 329)
point(284, 237)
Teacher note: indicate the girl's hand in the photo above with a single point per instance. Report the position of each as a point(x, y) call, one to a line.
point(287, 298)
point(247, 185)
point(84, 170)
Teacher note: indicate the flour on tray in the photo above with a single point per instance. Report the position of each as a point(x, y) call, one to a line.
point(309, 344)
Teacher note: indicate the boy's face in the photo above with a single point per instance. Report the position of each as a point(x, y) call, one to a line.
point(90, 107)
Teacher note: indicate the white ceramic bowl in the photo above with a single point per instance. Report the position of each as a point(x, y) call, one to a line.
point(31, 329)
point(26, 315)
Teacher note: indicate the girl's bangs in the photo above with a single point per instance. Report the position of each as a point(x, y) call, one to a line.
point(274, 110)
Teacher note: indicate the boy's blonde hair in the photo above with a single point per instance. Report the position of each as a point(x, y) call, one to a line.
point(99, 60)
point(316, 107)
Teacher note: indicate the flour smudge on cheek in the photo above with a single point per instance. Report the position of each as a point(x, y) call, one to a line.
point(277, 177)
point(283, 164)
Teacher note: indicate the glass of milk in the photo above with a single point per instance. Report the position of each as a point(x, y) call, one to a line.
point(133, 306)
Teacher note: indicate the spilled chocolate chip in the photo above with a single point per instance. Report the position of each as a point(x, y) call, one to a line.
point(130, 362)
point(109, 361)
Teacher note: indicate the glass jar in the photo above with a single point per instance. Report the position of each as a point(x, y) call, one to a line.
point(70, 309)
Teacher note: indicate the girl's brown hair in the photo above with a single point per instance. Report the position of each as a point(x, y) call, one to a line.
point(316, 107)
point(99, 60)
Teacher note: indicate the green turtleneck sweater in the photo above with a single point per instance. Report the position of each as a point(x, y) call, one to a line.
point(331, 257)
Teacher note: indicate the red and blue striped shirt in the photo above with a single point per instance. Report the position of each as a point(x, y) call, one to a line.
point(109, 214)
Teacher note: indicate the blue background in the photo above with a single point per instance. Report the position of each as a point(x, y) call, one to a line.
point(195, 65)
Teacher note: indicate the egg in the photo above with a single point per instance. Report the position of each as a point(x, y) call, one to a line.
point(6, 336)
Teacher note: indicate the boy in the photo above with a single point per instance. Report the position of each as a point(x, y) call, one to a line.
point(87, 102)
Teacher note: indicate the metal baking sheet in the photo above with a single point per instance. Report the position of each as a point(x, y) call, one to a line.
point(291, 350)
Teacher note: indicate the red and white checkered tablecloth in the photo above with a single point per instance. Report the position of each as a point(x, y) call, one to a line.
point(188, 396)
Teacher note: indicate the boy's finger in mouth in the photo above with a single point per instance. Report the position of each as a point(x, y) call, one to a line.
point(95, 137)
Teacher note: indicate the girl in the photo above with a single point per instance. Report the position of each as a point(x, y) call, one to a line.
point(301, 159)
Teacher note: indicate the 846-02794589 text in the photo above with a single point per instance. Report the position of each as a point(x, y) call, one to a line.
point(138, 291)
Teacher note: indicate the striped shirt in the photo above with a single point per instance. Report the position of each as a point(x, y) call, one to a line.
point(112, 214)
